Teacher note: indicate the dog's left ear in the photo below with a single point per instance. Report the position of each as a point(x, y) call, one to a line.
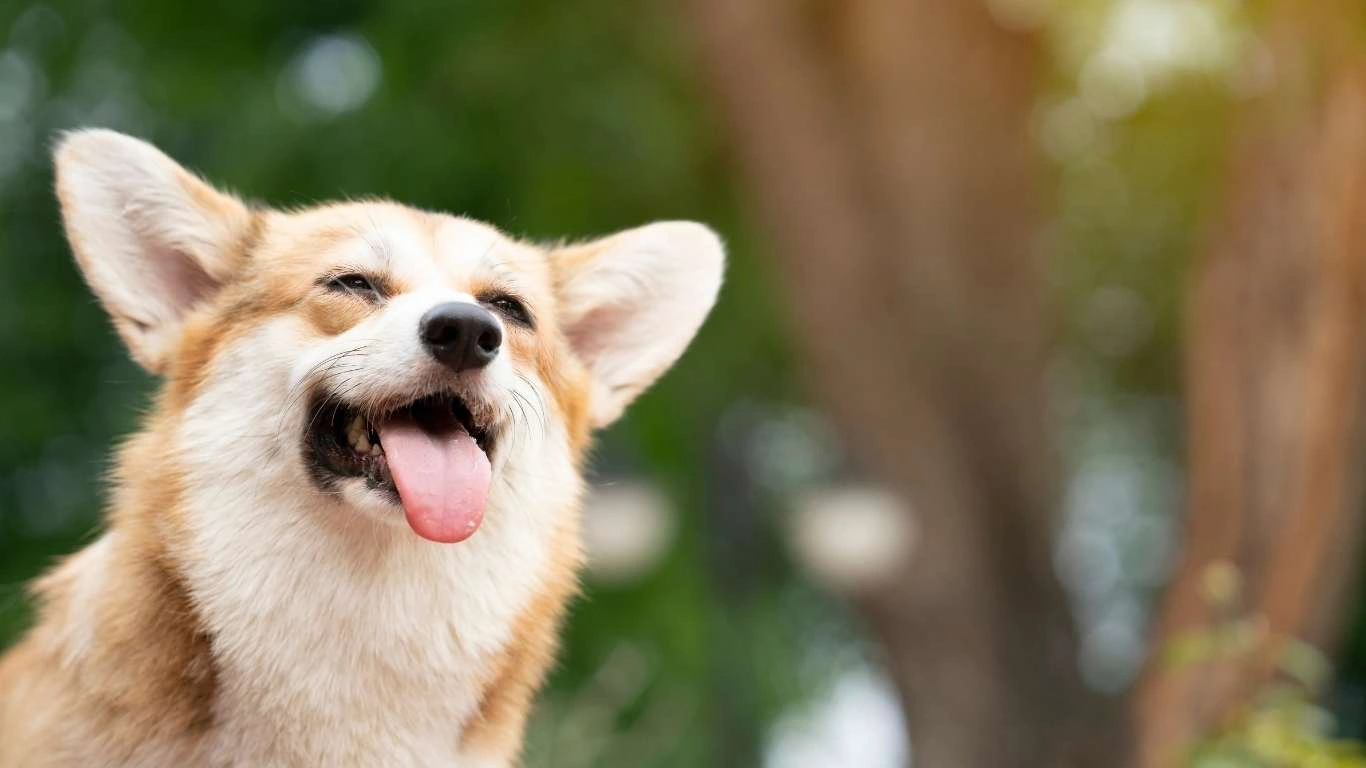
point(151, 238)
point(630, 303)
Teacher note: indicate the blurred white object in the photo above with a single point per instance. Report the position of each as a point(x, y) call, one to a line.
point(857, 723)
point(851, 537)
point(334, 73)
point(628, 527)
point(1162, 38)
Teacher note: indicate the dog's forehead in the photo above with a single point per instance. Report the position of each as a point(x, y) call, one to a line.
point(463, 249)
point(412, 248)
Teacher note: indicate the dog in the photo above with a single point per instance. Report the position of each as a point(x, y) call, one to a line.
point(347, 532)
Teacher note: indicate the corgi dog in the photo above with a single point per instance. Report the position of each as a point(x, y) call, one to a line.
point(347, 531)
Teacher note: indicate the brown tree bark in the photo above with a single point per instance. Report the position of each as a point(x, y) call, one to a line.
point(887, 146)
point(1276, 345)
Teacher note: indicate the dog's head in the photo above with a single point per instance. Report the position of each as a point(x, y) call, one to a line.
point(404, 364)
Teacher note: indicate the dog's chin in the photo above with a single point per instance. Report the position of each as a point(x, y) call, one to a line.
point(381, 506)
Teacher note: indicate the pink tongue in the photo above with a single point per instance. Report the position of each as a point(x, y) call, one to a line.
point(442, 479)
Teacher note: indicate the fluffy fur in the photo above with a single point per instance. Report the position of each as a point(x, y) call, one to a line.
point(235, 613)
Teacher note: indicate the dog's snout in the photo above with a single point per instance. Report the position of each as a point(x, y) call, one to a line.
point(462, 336)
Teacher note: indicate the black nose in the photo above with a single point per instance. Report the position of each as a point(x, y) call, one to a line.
point(462, 336)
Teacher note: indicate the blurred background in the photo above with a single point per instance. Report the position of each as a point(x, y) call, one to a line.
point(1026, 431)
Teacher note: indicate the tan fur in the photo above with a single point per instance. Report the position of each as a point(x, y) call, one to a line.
point(145, 673)
point(123, 666)
point(516, 676)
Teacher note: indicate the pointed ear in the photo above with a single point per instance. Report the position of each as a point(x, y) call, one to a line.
point(152, 239)
point(630, 303)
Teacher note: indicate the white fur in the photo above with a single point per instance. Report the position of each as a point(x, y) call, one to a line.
point(90, 565)
point(467, 246)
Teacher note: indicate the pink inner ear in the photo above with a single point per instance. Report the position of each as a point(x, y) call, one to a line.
point(179, 280)
point(595, 332)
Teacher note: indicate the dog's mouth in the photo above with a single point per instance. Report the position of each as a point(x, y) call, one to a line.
point(429, 455)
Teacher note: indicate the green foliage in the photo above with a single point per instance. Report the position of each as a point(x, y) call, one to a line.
point(1283, 729)
point(1284, 726)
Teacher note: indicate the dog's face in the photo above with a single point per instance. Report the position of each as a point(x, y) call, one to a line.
point(412, 365)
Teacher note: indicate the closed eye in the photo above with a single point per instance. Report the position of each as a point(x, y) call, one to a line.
point(355, 284)
point(510, 307)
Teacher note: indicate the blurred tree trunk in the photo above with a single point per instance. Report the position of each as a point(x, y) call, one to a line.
point(1277, 338)
point(887, 146)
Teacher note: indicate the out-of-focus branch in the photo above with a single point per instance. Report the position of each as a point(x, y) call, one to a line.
point(886, 143)
point(1277, 344)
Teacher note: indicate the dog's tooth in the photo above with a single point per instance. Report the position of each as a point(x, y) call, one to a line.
point(356, 437)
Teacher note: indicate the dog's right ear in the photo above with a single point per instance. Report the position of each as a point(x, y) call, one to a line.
point(151, 238)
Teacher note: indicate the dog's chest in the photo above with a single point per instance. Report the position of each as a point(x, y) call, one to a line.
point(329, 657)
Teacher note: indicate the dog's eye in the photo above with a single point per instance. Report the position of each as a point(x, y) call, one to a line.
point(354, 283)
point(511, 307)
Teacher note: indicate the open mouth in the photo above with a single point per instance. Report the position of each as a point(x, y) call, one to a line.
point(430, 455)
